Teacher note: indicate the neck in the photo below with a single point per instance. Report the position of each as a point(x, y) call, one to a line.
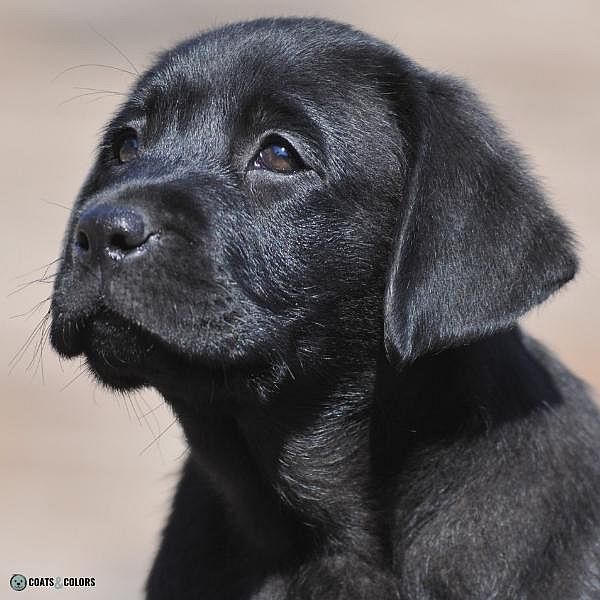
point(316, 461)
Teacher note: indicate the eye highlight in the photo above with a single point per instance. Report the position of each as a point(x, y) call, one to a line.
point(279, 156)
point(127, 146)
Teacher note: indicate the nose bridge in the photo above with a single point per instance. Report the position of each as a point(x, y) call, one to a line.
point(202, 140)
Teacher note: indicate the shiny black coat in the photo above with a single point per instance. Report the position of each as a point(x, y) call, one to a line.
point(338, 340)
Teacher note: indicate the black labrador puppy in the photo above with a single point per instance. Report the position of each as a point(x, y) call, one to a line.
point(317, 252)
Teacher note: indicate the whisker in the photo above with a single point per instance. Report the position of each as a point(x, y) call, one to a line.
point(101, 96)
point(32, 310)
point(159, 435)
point(155, 417)
point(138, 395)
point(113, 45)
point(152, 410)
point(123, 396)
point(39, 353)
point(39, 328)
point(91, 89)
point(184, 454)
point(84, 95)
point(80, 371)
point(82, 66)
point(57, 204)
point(43, 267)
point(45, 279)
point(134, 407)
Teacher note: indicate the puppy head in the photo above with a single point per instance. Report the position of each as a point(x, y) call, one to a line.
point(283, 192)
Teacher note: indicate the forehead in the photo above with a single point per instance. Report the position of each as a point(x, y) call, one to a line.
point(277, 65)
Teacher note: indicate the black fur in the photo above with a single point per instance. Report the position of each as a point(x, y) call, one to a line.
point(365, 419)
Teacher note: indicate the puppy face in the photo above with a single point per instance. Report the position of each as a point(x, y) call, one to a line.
point(286, 196)
point(240, 209)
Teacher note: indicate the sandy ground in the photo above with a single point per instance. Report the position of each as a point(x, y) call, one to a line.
point(84, 486)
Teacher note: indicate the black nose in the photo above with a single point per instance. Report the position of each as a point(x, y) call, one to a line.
point(108, 230)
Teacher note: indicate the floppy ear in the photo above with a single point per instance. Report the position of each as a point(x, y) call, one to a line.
point(477, 245)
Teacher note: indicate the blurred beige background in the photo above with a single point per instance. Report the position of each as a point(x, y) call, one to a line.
point(84, 488)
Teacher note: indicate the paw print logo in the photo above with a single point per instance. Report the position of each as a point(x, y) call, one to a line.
point(18, 582)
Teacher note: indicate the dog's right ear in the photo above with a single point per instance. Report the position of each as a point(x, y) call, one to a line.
point(476, 244)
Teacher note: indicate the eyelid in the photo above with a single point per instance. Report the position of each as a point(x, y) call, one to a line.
point(121, 134)
point(276, 139)
point(125, 132)
point(309, 148)
point(297, 146)
point(123, 124)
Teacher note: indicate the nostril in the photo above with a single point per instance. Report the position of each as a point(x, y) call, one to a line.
point(82, 241)
point(126, 240)
point(119, 241)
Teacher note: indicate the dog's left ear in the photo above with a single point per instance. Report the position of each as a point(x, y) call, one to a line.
point(477, 245)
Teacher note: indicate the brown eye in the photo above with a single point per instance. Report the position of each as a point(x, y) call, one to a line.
point(127, 148)
point(279, 157)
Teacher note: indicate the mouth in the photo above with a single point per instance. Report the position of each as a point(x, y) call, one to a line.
point(122, 354)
